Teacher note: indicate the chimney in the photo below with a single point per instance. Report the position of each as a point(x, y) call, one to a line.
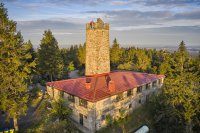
point(87, 86)
point(111, 86)
point(88, 83)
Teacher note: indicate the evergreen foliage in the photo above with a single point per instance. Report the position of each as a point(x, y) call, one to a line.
point(109, 120)
point(15, 67)
point(49, 61)
point(115, 54)
point(177, 107)
point(60, 109)
point(70, 67)
point(81, 54)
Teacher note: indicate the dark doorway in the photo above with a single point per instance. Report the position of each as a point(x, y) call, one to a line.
point(81, 119)
point(147, 98)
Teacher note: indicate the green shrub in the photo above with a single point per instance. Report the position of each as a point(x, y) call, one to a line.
point(43, 82)
point(35, 91)
point(109, 120)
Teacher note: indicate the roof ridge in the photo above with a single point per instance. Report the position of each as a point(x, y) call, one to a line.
point(64, 80)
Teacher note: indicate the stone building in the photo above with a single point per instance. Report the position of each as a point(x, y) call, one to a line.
point(101, 93)
point(97, 48)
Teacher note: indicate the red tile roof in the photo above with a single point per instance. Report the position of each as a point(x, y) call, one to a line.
point(99, 84)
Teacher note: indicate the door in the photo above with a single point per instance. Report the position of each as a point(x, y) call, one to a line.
point(81, 119)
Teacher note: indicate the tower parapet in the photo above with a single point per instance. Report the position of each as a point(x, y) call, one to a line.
point(98, 25)
point(97, 48)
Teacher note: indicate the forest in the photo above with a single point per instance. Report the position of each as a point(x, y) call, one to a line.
point(175, 109)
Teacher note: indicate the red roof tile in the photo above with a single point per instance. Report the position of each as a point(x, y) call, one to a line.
point(99, 87)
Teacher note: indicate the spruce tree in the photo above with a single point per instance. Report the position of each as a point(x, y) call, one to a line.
point(115, 54)
point(180, 94)
point(32, 52)
point(141, 61)
point(81, 53)
point(49, 59)
point(181, 56)
point(14, 69)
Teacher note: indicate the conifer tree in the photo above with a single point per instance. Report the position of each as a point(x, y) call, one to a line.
point(81, 53)
point(141, 61)
point(180, 94)
point(14, 69)
point(115, 53)
point(181, 56)
point(49, 59)
point(31, 51)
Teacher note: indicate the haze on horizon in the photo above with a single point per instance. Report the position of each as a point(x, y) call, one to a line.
point(142, 23)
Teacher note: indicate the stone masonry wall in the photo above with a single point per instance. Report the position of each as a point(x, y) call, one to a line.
point(110, 106)
point(88, 113)
point(97, 48)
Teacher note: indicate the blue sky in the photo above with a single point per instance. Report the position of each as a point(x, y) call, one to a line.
point(143, 23)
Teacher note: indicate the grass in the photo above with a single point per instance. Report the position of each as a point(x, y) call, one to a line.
point(35, 101)
point(140, 116)
point(113, 129)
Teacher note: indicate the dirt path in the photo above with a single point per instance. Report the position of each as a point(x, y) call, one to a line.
point(27, 120)
point(74, 74)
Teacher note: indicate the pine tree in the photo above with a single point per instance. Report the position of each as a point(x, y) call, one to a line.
point(81, 53)
point(115, 53)
point(70, 67)
point(49, 59)
point(182, 48)
point(14, 69)
point(180, 96)
point(141, 61)
point(32, 52)
point(183, 95)
point(181, 56)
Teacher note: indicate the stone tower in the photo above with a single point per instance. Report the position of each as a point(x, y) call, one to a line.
point(97, 48)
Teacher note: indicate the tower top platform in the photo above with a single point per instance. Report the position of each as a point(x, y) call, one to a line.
point(97, 25)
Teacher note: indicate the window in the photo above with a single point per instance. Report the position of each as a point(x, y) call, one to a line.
point(106, 110)
point(103, 117)
point(119, 97)
point(160, 81)
point(140, 101)
point(154, 83)
point(83, 103)
point(139, 89)
point(147, 97)
point(147, 86)
point(62, 94)
point(129, 93)
point(130, 105)
point(71, 98)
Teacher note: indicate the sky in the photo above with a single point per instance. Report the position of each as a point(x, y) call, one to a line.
point(140, 23)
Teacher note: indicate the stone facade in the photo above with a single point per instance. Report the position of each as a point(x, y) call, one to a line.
point(97, 48)
point(92, 115)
